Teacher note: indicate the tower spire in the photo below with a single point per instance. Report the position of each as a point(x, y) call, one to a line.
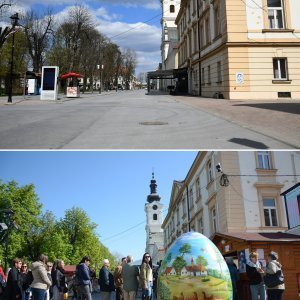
point(153, 193)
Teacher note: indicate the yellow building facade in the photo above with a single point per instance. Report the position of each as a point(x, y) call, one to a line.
point(240, 49)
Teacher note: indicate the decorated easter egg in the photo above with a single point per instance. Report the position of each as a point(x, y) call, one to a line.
point(194, 268)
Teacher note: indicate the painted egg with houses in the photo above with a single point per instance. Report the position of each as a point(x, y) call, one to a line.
point(194, 269)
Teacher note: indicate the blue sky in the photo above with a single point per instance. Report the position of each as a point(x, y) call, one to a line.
point(112, 18)
point(111, 186)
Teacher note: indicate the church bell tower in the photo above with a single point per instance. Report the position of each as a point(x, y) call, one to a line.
point(154, 217)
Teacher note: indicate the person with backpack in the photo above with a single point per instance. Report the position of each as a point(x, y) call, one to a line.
point(82, 279)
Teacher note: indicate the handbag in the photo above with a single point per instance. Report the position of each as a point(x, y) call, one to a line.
point(272, 280)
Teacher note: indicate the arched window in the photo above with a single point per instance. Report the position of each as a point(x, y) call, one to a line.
point(172, 8)
point(155, 217)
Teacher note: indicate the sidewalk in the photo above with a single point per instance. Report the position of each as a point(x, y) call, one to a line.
point(275, 118)
point(35, 99)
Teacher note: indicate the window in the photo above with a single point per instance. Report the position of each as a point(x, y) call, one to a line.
point(219, 72)
point(275, 14)
point(207, 31)
point(270, 212)
point(191, 198)
point(198, 193)
point(209, 172)
point(214, 219)
point(200, 225)
point(264, 160)
point(217, 21)
point(172, 8)
point(154, 217)
point(195, 39)
point(203, 77)
point(178, 217)
point(280, 68)
point(208, 75)
point(183, 206)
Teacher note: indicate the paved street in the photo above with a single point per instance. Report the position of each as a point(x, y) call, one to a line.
point(134, 120)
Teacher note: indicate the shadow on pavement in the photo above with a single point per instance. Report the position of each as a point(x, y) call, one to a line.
point(249, 143)
point(293, 108)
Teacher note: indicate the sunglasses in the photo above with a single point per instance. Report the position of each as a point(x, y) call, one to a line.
point(147, 256)
point(24, 266)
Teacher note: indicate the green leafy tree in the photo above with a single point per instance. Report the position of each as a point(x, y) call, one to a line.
point(26, 208)
point(185, 249)
point(178, 263)
point(202, 261)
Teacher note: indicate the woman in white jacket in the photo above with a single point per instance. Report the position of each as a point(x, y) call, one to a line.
point(41, 281)
point(273, 266)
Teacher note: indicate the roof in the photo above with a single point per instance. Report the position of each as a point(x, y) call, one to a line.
point(260, 236)
point(70, 269)
point(290, 189)
point(173, 73)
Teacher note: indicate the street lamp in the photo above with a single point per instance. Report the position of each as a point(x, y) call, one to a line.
point(14, 23)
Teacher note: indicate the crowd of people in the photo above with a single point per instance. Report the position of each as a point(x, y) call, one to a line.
point(265, 282)
point(47, 281)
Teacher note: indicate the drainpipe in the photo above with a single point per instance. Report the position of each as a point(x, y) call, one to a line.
point(188, 207)
point(199, 44)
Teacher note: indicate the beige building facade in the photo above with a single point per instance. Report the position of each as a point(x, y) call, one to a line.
point(240, 49)
point(246, 199)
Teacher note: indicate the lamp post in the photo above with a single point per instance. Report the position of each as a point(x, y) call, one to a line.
point(14, 23)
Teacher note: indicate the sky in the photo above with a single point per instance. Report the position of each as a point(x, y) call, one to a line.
point(111, 186)
point(131, 24)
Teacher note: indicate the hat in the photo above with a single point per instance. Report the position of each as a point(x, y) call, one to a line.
point(105, 262)
point(273, 255)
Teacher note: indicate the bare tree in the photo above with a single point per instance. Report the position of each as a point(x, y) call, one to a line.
point(38, 31)
point(129, 65)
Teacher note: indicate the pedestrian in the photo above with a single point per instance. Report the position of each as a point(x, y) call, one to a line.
point(255, 274)
point(119, 280)
point(24, 281)
point(13, 288)
point(41, 282)
point(83, 280)
point(234, 275)
point(273, 266)
point(146, 277)
point(49, 293)
point(106, 281)
point(130, 273)
point(59, 281)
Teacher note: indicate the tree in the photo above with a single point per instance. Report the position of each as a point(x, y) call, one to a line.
point(185, 248)
point(25, 205)
point(129, 64)
point(178, 263)
point(38, 31)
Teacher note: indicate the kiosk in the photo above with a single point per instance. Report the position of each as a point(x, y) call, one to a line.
point(73, 90)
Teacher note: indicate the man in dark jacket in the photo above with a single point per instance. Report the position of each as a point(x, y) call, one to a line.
point(13, 290)
point(106, 281)
point(83, 279)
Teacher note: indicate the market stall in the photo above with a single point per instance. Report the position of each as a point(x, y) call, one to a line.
point(73, 89)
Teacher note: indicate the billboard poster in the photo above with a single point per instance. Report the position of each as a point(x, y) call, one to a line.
point(49, 86)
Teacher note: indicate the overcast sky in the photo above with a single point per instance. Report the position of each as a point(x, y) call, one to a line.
point(128, 23)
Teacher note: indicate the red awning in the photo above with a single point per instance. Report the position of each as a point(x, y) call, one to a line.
point(70, 75)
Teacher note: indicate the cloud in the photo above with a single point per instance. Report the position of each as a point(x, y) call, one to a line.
point(143, 38)
point(152, 4)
